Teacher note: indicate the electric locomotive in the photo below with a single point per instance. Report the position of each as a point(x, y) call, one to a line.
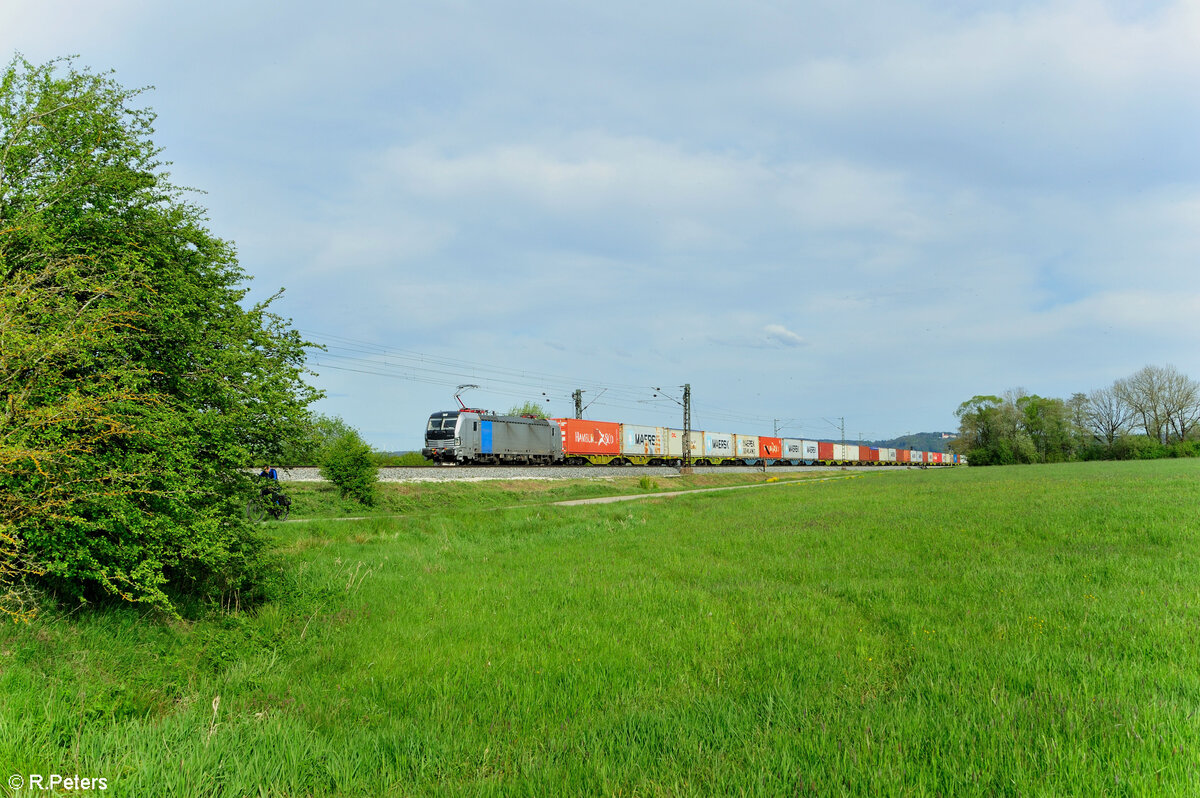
point(477, 436)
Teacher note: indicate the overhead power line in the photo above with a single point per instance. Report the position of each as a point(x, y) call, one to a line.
point(342, 353)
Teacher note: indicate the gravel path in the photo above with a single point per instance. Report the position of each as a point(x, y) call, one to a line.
point(482, 473)
point(668, 494)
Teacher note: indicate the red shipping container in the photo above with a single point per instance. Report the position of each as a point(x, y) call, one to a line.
point(935, 457)
point(870, 455)
point(824, 450)
point(902, 455)
point(583, 437)
point(770, 448)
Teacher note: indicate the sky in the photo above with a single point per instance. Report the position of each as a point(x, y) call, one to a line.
point(815, 213)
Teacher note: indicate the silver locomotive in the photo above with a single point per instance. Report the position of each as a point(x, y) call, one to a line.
point(477, 436)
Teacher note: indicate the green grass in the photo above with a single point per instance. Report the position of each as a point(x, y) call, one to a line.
point(1022, 631)
point(315, 500)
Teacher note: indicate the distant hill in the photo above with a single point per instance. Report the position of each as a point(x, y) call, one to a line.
point(921, 441)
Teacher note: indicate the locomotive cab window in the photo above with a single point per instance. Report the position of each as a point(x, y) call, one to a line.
point(441, 426)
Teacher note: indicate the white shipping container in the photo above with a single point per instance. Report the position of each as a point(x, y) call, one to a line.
point(796, 449)
point(916, 457)
point(845, 452)
point(746, 447)
point(642, 441)
point(675, 442)
point(887, 455)
point(718, 444)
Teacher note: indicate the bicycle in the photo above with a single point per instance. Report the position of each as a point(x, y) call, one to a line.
point(270, 502)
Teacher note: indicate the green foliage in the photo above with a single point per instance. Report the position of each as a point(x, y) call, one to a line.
point(1016, 429)
point(1184, 449)
point(1021, 428)
point(1096, 451)
point(529, 409)
point(346, 462)
point(400, 460)
point(987, 431)
point(1047, 422)
point(319, 432)
point(1138, 447)
point(134, 385)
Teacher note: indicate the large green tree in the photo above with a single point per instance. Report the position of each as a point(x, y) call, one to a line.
point(991, 431)
point(1047, 422)
point(135, 381)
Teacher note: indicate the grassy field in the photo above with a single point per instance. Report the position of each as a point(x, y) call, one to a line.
point(1020, 631)
point(315, 500)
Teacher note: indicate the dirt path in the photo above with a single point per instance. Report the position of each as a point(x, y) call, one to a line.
point(611, 499)
point(605, 499)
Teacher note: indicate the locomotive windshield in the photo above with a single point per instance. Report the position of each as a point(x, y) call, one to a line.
point(441, 426)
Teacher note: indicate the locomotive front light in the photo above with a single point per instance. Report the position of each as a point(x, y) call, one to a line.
point(458, 442)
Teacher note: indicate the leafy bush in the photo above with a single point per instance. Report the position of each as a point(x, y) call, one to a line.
point(1138, 447)
point(1097, 451)
point(1184, 449)
point(136, 382)
point(404, 460)
point(318, 433)
point(348, 464)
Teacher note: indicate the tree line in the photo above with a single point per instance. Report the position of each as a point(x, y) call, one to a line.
point(1152, 413)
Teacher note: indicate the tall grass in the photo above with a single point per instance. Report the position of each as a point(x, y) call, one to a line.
point(977, 632)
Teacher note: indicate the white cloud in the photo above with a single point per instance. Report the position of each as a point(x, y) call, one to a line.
point(579, 173)
point(782, 335)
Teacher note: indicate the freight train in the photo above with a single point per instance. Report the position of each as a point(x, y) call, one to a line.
point(470, 436)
